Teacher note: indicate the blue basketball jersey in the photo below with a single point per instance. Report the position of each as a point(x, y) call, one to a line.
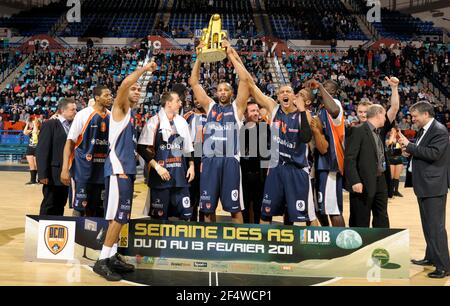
point(221, 132)
point(196, 122)
point(122, 146)
point(91, 147)
point(285, 139)
point(170, 156)
point(334, 131)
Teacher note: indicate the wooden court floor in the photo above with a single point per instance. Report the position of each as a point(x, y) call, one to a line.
point(18, 200)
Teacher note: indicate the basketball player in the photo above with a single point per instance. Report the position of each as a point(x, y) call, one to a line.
point(120, 171)
point(329, 165)
point(164, 143)
point(317, 145)
point(85, 153)
point(196, 118)
point(220, 170)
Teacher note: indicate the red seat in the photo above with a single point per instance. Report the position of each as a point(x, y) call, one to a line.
point(410, 134)
point(8, 125)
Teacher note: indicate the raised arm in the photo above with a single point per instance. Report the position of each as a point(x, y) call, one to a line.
point(263, 100)
point(122, 93)
point(305, 133)
point(27, 131)
point(199, 93)
point(327, 99)
point(395, 99)
point(243, 91)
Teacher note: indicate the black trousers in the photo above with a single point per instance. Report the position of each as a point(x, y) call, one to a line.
point(361, 206)
point(194, 192)
point(432, 215)
point(55, 198)
point(253, 189)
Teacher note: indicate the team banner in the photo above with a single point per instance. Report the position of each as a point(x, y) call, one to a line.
point(250, 249)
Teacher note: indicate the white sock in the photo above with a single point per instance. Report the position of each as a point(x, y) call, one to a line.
point(113, 250)
point(105, 252)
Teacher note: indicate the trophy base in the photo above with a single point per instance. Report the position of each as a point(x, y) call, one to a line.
point(211, 56)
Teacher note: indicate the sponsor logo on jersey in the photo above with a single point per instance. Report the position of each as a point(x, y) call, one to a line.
point(228, 114)
point(318, 237)
point(284, 142)
point(90, 225)
point(101, 142)
point(234, 195)
point(170, 146)
point(186, 202)
point(283, 127)
point(300, 205)
point(56, 237)
point(205, 196)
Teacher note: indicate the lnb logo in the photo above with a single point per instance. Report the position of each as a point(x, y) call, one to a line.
point(315, 237)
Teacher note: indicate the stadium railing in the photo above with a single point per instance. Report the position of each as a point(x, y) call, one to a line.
point(13, 145)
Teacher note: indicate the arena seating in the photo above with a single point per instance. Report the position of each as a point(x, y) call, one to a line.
point(403, 27)
point(35, 21)
point(302, 19)
point(117, 18)
point(187, 17)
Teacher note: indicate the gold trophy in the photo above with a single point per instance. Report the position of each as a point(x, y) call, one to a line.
point(212, 38)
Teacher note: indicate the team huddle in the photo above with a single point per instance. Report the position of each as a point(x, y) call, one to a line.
point(193, 162)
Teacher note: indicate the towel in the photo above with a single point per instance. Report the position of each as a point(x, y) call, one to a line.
point(182, 129)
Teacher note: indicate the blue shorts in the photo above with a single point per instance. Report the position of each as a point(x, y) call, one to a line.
point(170, 202)
point(87, 196)
point(288, 190)
point(119, 197)
point(329, 193)
point(220, 178)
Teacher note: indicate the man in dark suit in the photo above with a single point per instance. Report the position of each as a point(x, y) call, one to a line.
point(365, 168)
point(391, 115)
point(49, 157)
point(430, 178)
